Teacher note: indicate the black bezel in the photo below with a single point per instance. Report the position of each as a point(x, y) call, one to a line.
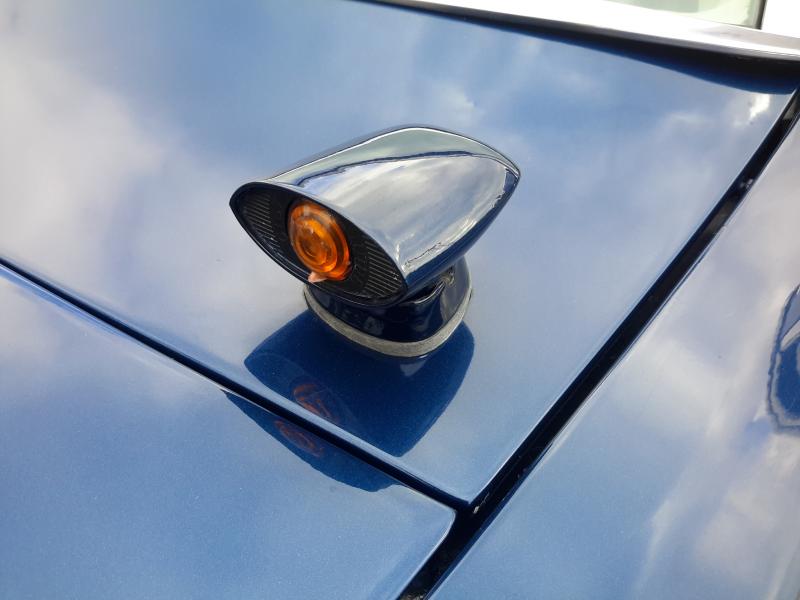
point(374, 279)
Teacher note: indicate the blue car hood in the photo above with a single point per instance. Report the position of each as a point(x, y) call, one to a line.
point(125, 475)
point(124, 135)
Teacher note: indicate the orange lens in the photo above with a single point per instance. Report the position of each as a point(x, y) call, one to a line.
point(318, 241)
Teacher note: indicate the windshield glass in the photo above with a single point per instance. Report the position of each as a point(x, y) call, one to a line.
point(735, 12)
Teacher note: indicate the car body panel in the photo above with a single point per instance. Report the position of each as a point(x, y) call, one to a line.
point(680, 476)
point(126, 133)
point(125, 475)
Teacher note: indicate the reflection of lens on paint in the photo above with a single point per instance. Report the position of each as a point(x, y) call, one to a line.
point(312, 397)
point(299, 439)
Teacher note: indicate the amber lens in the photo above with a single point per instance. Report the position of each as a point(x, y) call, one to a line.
point(319, 241)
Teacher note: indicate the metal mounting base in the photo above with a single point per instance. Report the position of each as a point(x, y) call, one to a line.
point(445, 292)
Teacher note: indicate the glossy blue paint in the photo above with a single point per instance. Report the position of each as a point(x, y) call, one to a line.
point(124, 475)
point(680, 476)
point(125, 134)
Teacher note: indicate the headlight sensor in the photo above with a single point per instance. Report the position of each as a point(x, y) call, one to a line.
point(378, 228)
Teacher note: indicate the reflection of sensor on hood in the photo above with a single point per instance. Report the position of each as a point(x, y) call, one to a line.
point(783, 399)
point(312, 450)
point(387, 402)
point(378, 231)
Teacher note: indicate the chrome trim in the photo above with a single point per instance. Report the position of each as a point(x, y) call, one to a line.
point(609, 19)
point(388, 347)
point(421, 194)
